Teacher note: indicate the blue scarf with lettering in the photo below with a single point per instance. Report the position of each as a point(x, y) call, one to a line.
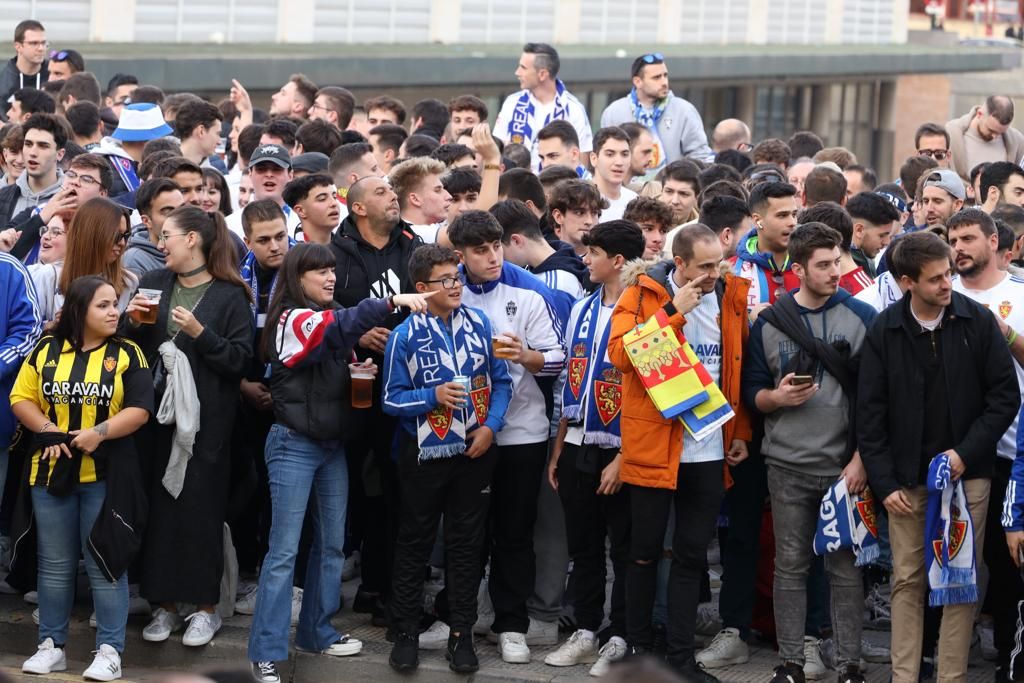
point(520, 124)
point(438, 356)
point(847, 521)
point(593, 386)
point(948, 538)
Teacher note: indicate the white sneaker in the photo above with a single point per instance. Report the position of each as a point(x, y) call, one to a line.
point(512, 648)
point(708, 621)
point(246, 604)
point(202, 626)
point(435, 637)
point(164, 623)
point(136, 603)
point(350, 569)
point(726, 649)
point(245, 586)
point(484, 612)
point(814, 668)
point(537, 633)
point(345, 646)
point(46, 659)
point(296, 604)
point(612, 651)
point(581, 648)
point(32, 597)
point(106, 666)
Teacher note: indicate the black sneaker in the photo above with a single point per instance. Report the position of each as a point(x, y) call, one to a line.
point(790, 672)
point(851, 674)
point(461, 656)
point(265, 672)
point(405, 654)
point(692, 672)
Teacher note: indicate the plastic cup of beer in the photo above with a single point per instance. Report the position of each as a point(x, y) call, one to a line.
point(362, 385)
point(148, 316)
point(502, 346)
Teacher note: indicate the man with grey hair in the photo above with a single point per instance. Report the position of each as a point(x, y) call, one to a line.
point(543, 99)
point(984, 134)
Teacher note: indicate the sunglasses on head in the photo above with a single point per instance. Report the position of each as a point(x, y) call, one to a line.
point(59, 56)
point(649, 58)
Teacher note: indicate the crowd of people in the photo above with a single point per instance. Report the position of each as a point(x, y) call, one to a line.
point(253, 354)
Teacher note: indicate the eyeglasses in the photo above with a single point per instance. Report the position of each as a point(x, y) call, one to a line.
point(744, 147)
point(84, 179)
point(123, 236)
point(58, 56)
point(448, 282)
point(937, 154)
point(36, 43)
point(164, 236)
point(52, 232)
point(318, 106)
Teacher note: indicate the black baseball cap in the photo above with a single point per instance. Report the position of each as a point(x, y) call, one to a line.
point(273, 153)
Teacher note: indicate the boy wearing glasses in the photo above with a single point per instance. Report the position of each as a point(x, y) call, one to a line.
point(674, 123)
point(451, 393)
point(28, 68)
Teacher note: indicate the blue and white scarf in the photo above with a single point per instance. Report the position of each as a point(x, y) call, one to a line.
point(247, 269)
point(438, 356)
point(520, 124)
point(847, 521)
point(647, 118)
point(592, 379)
point(949, 539)
point(125, 168)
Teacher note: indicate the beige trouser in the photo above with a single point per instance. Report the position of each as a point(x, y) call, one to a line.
point(910, 588)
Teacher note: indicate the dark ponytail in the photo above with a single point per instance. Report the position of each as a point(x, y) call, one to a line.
point(215, 241)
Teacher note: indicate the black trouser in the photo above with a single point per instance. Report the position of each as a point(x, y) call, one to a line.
point(459, 488)
point(513, 513)
point(697, 497)
point(589, 518)
point(1004, 580)
point(744, 505)
point(371, 455)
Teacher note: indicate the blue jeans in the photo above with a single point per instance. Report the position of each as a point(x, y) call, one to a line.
point(298, 466)
point(63, 525)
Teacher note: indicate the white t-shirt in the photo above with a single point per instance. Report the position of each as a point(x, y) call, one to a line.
point(882, 294)
point(617, 207)
point(703, 331)
point(428, 233)
point(1006, 300)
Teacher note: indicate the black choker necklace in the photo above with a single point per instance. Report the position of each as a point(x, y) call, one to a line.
point(194, 271)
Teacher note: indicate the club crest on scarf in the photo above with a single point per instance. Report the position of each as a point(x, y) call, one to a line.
point(481, 397)
point(949, 532)
point(957, 533)
point(577, 368)
point(440, 420)
point(847, 521)
point(608, 398)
